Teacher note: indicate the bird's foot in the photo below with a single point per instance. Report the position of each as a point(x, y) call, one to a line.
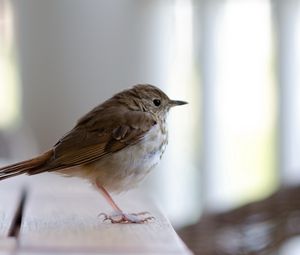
point(126, 218)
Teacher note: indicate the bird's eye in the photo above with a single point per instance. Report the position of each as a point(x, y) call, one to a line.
point(156, 102)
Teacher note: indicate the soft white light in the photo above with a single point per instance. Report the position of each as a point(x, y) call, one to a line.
point(9, 103)
point(179, 171)
point(244, 103)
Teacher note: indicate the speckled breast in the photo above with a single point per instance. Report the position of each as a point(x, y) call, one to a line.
point(123, 170)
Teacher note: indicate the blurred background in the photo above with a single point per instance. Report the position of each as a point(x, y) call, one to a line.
point(235, 62)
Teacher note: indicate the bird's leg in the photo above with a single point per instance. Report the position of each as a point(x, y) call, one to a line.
point(109, 198)
point(119, 216)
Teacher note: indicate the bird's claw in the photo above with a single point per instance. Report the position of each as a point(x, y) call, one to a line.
point(126, 218)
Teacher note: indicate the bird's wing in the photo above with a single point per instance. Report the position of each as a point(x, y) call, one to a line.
point(97, 136)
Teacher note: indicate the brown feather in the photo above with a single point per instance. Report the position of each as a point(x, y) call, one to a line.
point(119, 122)
point(25, 166)
point(88, 141)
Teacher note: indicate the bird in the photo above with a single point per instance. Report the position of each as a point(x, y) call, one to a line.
point(114, 146)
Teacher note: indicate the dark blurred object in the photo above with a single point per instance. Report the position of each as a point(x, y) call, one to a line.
point(257, 228)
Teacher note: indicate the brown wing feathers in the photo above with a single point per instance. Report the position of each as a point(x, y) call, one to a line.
point(97, 134)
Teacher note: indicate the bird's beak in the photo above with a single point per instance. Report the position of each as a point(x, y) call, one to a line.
point(176, 103)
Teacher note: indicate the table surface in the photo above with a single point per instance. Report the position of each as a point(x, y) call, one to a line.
point(55, 215)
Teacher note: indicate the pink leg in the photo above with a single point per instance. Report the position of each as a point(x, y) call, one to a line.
point(108, 198)
point(120, 216)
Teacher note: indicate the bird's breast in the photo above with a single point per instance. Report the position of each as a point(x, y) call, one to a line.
point(124, 169)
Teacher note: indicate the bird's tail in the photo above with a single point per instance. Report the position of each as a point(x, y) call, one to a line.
point(25, 166)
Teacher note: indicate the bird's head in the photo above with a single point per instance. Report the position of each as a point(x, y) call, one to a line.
point(152, 99)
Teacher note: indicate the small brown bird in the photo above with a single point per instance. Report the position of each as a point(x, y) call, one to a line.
point(114, 146)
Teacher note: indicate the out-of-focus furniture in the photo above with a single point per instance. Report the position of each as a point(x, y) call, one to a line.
point(257, 228)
